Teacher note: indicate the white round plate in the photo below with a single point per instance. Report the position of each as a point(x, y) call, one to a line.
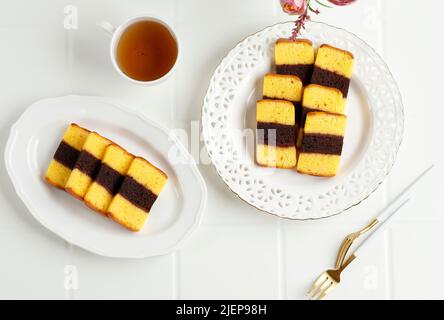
point(374, 128)
point(33, 141)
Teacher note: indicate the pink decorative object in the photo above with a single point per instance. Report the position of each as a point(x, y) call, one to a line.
point(294, 6)
point(341, 2)
point(303, 7)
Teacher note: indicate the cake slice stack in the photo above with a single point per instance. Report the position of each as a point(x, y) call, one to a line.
point(313, 89)
point(276, 134)
point(284, 87)
point(277, 120)
point(323, 117)
point(322, 142)
point(319, 98)
point(106, 177)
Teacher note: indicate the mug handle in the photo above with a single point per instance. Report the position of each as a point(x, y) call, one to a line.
point(107, 27)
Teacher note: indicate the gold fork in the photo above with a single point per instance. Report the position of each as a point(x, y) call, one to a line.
point(328, 280)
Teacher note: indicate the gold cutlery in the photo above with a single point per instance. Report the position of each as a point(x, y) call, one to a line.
point(328, 280)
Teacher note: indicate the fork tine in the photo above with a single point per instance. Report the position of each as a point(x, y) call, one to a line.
point(319, 288)
point(325, 285)
point(317, 283)
point(326, 291)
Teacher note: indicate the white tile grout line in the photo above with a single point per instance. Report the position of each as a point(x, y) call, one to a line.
point(69, 294)
point(388, 251)
point(388, 243)
point(381, 38)
point(390, 264)
point(69, 54)
point(384, 10)
point(175, 274)
point(277, 9)
point(175, 256)
point(174, 87)
point(281, 260)
point(69, 61)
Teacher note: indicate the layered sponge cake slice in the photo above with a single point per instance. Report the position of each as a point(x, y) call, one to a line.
point(333, 68)
point(276, 134)
point(320, 98)
point(322, 142)
point(115, 164)
point(295, 57)
point(66, 156)
point(284, 87)
point(140, 188)
point(87, 165)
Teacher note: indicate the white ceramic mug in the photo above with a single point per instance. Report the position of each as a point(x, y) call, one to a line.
point(116, 34)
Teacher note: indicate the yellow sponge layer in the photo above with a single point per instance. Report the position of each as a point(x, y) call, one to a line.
point(323, 98)
point(285, 87)
point(293, 52)
point(75, 136)
point(126, 214)
point(325, 123)
point(117, 158)
point(276, 157)
point(96, 145)
point(317, 164)
point(57, 173)
point(335, 60)
point(275, 111)
point(98, 198)
point(147, 175)
point(78, 184)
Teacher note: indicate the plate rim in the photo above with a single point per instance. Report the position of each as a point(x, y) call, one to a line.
point(396, 151)
point(121, 107)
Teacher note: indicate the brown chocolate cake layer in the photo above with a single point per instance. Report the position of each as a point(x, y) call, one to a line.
point(109, 178)
point(330, 79)
point(88, 164)
point(322, 143)
point(66, 155)
point(303, 71)
point(137, 194)
point(269, 133)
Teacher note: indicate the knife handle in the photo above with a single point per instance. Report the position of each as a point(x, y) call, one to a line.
point(382, 225)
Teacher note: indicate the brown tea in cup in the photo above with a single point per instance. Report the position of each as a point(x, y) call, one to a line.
point(146, 51)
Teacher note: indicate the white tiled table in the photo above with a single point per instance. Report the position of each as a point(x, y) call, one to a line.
point(238, 252)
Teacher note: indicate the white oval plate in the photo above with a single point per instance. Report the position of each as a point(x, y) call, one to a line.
point(33, 141)
point(374, 128)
